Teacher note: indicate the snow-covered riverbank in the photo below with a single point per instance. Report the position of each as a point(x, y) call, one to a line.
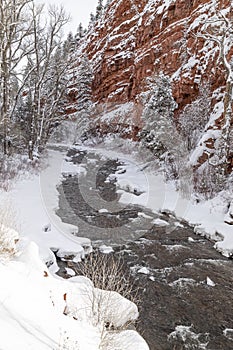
point(34, 201)
point(40, 309)
point(206, 216)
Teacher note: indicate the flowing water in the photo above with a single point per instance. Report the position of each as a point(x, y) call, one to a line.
point(186, 286)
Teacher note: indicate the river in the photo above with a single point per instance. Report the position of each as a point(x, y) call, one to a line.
point(186, 286)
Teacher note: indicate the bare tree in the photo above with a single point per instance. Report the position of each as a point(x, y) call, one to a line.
point(46, 81)
point(15, 28)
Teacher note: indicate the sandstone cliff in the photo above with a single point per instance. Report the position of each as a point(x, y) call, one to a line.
point(136, 38)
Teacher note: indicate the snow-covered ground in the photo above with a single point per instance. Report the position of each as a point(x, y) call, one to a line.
point(38, 309)
point(35, 200)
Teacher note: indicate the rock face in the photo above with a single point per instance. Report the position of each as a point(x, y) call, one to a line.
point(136, 38)
point(141, 37)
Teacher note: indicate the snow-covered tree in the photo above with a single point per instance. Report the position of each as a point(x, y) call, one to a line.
point(194, 117)
point(80, 32)
point(69, 44)
point(15, 30)
point(219, 29)
point(160, 133)
point(84, 104)
point(45, 81)
point(99, 9)
point(108, 2)
point(158, 114)
point(91, 21)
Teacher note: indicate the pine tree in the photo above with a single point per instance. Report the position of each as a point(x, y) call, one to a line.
point(161, 136)
point(108, 2)
point(69, 44)
point(158, 115)
point(80, 32)
point(84, 95)
point(99, 9)
point(91, 22)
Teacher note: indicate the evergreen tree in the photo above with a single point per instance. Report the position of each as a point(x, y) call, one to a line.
point(99, 9)
point(84, 94)
point(161, 136)
point(80, 32)
point(108, 2)
point(158, 115)
point(91, 21)
point(69, 44)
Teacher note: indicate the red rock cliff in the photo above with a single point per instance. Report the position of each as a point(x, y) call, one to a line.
point(138, 37)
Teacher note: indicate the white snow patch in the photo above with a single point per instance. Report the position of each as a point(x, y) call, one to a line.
point(145, 216)
point(159, 222)
point(178, 224)
point(183, 282)
point(126, 340)
point(228, 333)
point(144, 270)
point(186, 335)
point(70, 271)
point(175, 247)
point(103, 210)
point(106, 249)
point(209, 282)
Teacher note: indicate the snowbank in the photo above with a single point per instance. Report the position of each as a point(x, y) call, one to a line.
point(35, 199)
point(39, 311)
point(140, 186)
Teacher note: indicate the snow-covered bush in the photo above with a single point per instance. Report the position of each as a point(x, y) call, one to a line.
point(209, 180)
point(10, 168)
point(8, 235)
point(194, 117)
point(107, 274)
point(64, 318)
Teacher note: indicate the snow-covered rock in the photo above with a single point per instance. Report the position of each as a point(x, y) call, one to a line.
point(144, 270)
point(209, 282)
point(159, 222)
point(228, 219)
point(106, 249)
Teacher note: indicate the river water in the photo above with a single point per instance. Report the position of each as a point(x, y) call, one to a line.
point(186, 286)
